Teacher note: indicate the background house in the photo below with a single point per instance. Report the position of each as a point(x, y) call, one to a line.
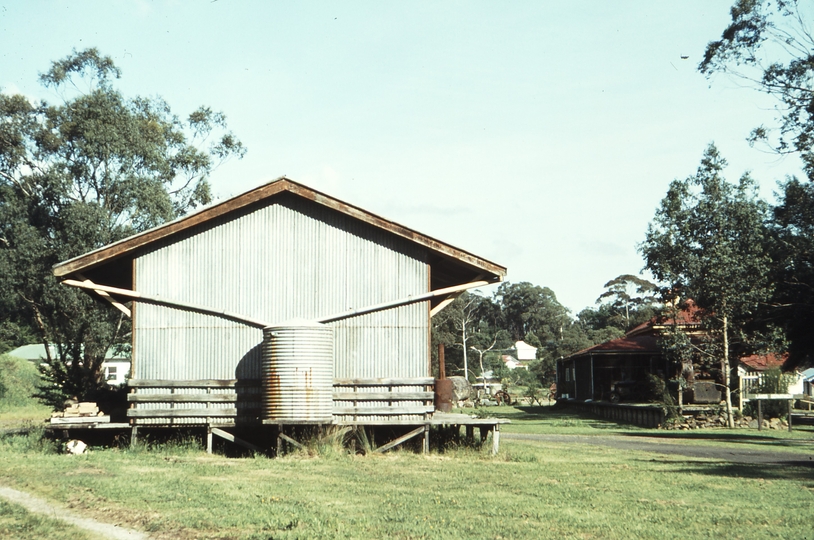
point(115, 367)
point(619, 369)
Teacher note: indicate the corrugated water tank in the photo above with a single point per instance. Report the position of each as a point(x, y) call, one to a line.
point(298, 373)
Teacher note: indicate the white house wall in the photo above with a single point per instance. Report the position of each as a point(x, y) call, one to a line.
point(280, 261)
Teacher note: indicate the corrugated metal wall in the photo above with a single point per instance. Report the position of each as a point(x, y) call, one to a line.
point(290, 259)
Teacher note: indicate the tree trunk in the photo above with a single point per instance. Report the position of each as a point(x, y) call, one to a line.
point(730, 420)
point(463, 339)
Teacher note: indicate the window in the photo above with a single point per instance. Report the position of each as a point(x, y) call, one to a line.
point(110, 373)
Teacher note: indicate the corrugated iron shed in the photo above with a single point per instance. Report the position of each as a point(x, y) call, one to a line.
point(277, 253)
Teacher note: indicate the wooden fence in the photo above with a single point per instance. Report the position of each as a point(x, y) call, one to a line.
point(649, 416)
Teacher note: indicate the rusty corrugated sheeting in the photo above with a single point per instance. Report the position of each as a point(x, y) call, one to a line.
point(277, 262)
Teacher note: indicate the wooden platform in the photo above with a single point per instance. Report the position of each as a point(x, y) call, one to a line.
point(217, 405)
point(65, 423)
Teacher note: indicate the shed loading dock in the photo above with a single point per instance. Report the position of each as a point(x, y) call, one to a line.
point(282, 254)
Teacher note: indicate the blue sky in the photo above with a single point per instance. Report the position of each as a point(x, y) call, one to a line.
point(539, 135)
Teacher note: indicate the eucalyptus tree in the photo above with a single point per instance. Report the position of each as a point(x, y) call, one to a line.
point(469, 324)
point(708, 242)
point(80, 174)
point(770, 45)
point(632, 297)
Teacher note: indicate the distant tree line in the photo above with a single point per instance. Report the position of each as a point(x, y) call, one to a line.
point(477, 330)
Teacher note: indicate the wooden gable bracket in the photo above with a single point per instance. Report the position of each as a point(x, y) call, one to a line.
point(353, 312)
point(451, 298)
point(115, 303)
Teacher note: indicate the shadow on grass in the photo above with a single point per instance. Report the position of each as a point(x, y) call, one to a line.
point(792, 469)
point(725, 436)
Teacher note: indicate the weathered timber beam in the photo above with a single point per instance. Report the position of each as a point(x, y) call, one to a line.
point(180, 413)
point(376, 411)
point(182, 398)
point(395, 442)
point(402, 302)
point(196, 383)
point(183, 306)
point(418, 381)
point(288, 439)
point(229, 437)
point(115, 303)
point(383, 396)
point(451, 298)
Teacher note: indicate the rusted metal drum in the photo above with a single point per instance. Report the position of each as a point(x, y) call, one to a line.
point(444, 394)
point(298, 373)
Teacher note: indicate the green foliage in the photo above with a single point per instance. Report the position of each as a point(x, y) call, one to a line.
point(770, 45)
point(522, 311)
point(709, 242)
point(630, 299)
point(792, 305)
point(468, 327)
point(19, 380)
point(34, 440)
point(79, 175)
point(657, 387)
point(15, 334)
point(600, 324)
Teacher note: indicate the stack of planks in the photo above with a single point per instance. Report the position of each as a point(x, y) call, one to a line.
point(81, 412)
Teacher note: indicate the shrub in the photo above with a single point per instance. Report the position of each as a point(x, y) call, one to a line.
point(19, 380)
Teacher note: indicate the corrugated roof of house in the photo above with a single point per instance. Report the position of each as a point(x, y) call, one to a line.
point(762, 362)
point(643, 339)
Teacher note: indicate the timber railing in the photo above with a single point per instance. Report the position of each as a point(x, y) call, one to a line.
point(384, 401)
point(649, 416)
point(219, 401)
point(201, 401)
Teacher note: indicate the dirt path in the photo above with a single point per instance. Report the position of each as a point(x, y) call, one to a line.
point(41, 506)
point(732, 453)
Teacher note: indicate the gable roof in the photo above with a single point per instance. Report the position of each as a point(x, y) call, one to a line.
point(643, 339)
point(762, 362)
point(450, 265)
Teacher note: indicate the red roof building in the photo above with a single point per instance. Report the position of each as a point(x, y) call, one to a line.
point(620, 369)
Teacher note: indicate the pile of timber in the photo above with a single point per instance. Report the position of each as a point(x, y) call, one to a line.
point(79, 413)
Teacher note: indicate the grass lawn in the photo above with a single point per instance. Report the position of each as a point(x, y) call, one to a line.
point(31, 414)
point(547, 420)
point(19, 524)
point(530, 490)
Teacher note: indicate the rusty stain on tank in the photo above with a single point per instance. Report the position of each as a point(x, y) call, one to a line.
point(300, 359)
